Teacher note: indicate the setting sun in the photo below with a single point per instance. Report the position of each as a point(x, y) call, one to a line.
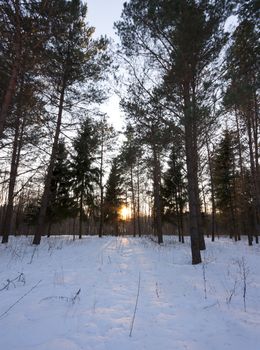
point(125, 212)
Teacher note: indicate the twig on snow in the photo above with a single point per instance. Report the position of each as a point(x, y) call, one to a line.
point(60, 297)
point(211, 305)
point(20, 278)
point(136, 302)
point(17, 301)
point(244, 272)
point(204, 279)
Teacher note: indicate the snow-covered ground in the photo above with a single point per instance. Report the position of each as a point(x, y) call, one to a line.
point(179, 306)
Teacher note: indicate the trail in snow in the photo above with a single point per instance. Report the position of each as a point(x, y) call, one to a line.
point(172, 311)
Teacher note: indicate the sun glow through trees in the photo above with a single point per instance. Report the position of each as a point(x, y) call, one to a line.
point(125, 213)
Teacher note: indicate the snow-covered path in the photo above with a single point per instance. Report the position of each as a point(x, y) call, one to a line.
point(176, 308)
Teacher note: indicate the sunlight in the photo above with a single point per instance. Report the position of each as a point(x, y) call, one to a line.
point(124, 241)
point(125, 212)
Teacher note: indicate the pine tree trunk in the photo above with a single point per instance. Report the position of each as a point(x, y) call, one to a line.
point(199, 219)
point(81, 213)
point(254, 181)
point(181, 223)
point(178, 217)
point(138, 200)
point(194, 127)
point(157, 195)
point(12, 84)
point(242, 175)
point(133, 199)
point(73, 228)
point(101, 221)
point(212, 190)
point(13, 174)
point(10, 92)
point(40, 229)
point(193, 212)
point(192, 176)
point(17, 146)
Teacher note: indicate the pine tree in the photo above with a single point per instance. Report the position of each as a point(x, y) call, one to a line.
point(224, 177)
point(114, 195)
point(174, 190)
point(74, 58)
point(130, 153)
point(106, 141)
point(84, 169)
point(61, 204)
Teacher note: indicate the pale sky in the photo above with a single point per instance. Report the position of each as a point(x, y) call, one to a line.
point(102, 14)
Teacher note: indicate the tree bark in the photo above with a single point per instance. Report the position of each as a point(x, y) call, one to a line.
point(192, 176)
point(133, 199)
point(212, 190)
point(101, 221)
point(12, 84)
point(12, 181)
point(138, 200)
point(15, 160)
point(81, 213)
point(157, 194)
point(254, 177)
point(193, 212)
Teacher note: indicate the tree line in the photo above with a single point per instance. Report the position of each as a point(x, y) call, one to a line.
point(188, 160)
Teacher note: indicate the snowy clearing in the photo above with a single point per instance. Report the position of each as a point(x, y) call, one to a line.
point(73, 295)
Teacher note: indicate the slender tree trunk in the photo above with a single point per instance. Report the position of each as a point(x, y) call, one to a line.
point(192, 176)
point(133, 199)
point(10, 200)
point(193, 212)
point(212, 190)
point(242, 175)
point(194, 126)
point(15, 160)
point(178, 217)
point(73, 228)
point(81, 213)
point(157, 195)
point(256, 130)
point(47, 186)
point(257, 181)
point(254, 181)
point(101, 222)
point(181, 223)
point(201, 223)
point(10, 92)
point(18, 222)
point(138, 200)
point(233, 220)
point(12, 84)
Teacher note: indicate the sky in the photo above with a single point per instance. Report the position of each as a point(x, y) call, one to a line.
point(102, 14)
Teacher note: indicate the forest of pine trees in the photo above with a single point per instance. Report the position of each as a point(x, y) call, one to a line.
point(187, 161)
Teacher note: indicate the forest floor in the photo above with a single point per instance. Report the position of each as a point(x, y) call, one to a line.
point(81, 295)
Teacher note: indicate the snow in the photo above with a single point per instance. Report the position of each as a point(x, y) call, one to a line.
point(176, 308)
